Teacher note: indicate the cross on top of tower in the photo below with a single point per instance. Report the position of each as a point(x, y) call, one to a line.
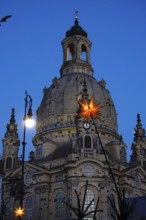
point(76, 18)
point(76, 14)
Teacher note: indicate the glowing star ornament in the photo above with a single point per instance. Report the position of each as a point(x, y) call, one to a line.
point(88, 109)
point(19, 212)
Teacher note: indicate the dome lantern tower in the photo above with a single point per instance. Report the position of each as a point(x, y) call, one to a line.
point(76, 51)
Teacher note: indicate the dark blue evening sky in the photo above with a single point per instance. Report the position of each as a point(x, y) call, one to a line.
point(31, 54)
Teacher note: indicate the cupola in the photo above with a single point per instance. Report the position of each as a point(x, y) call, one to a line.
point(76, 51)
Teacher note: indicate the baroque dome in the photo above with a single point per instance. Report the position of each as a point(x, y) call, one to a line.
point(61, 101)
point(59, 107)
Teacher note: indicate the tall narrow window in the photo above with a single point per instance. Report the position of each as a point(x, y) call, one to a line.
point(28, 208)
point(60, 209)
point(87, 141)
point(84, 53)
point(70, 52)
point(39, 151)
point(88, 199)
point(9, 163)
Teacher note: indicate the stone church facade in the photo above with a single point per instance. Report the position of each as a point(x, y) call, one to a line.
point(67, 152)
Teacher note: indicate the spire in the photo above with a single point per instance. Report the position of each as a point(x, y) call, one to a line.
point(138, 121)
point(139, 143)
point(12, 126)
point(12, 119)
point(139, 132)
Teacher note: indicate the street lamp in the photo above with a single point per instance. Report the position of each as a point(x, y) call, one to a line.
point(28, 123)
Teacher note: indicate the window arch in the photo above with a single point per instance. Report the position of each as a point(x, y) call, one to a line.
point(84, 52)
point(8, 163)
point(70, 52)
point(89, 197)
point(59, 206)
point(28, 208)
point(39, 151)
point(87, 142)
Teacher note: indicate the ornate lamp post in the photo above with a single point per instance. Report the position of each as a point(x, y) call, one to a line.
point(28, 123)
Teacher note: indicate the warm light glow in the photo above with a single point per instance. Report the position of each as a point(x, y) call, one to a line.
point(89, 109)
point(29, 122)
point(19, 212)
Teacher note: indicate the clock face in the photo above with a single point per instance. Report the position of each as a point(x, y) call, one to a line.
point(11, 126)
point(86, 125)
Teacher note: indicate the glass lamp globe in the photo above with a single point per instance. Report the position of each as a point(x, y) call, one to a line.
point(29, 122)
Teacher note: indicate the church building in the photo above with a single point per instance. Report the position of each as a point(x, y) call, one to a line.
point(68, 159)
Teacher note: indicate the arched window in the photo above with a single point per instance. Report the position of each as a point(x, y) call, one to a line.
point(28, 208)
point(70, 52)
point(84, 53)
point(39, 151)
point(87, 141)
point(7, 211)
point(123, 154)
point(59, 206)
point(88, 199)
point(8, 163)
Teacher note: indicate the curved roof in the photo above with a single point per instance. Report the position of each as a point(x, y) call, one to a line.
point(61, 99)
point(76, 30)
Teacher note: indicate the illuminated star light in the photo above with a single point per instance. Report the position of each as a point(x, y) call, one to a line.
point(19, 212)
point(89, 109)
